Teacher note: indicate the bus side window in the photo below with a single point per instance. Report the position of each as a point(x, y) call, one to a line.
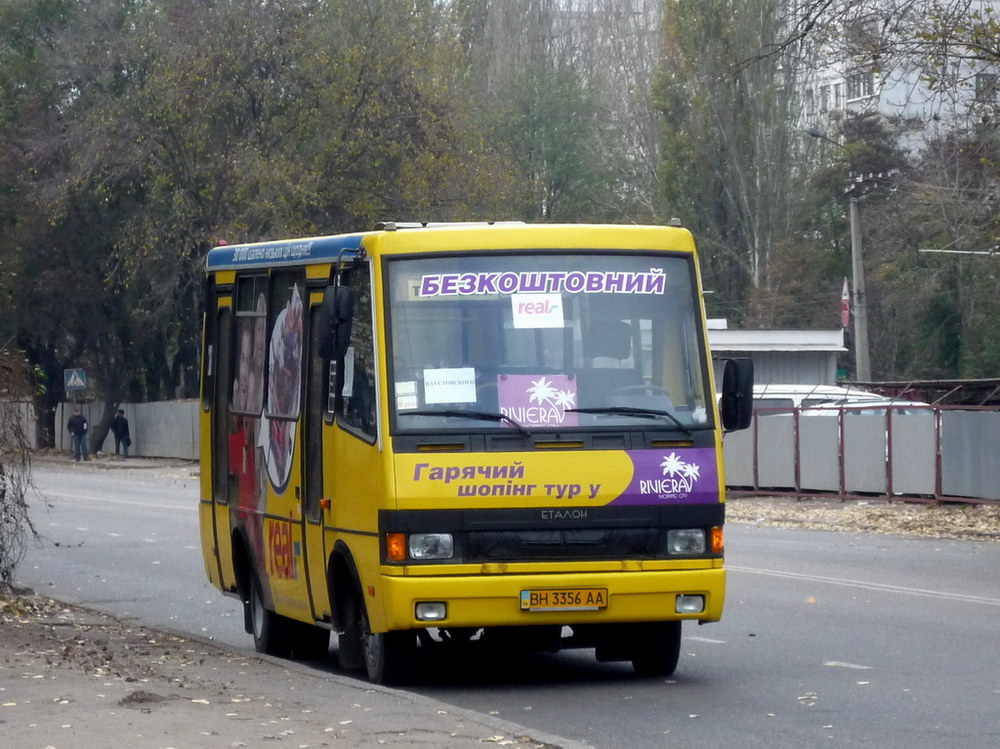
point(357, 404)
point(208, 361)
point(220, 416)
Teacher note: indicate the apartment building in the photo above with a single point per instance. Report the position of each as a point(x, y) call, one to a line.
point(886, 56)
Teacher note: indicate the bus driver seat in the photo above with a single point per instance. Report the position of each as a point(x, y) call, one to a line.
point(606, 344)
point(611, 384)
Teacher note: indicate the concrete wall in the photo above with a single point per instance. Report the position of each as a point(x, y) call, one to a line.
point(167, 429)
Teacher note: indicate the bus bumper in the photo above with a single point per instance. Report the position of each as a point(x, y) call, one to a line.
point(496, 601)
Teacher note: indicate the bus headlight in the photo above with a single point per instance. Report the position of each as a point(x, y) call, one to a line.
point(686, 541)
point(431, 546)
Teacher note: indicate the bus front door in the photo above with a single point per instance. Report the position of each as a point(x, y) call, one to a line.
point(313, 515)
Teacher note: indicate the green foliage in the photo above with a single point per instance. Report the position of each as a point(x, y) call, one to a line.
point(139, 133)
point(550, 130)
point(726, 146)
point(142, 133)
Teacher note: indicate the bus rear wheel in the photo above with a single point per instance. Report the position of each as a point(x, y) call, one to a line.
point(268, 630)
point(657, 648)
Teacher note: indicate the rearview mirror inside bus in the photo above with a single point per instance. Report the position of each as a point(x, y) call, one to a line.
point(737, 394)
point(335, 322)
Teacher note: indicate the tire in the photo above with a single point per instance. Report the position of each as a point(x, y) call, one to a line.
point(350, 648)
point(387, 654)
point(657, 648)
point(269, 630)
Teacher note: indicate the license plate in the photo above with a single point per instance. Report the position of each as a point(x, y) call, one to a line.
point(564, 599)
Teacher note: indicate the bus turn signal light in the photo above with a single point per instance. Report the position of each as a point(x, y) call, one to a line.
point(717, 544)
point(395, 547)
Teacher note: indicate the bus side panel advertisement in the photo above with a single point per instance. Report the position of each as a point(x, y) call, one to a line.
point(622, 477)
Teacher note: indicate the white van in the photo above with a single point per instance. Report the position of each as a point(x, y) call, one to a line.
point(805, 396)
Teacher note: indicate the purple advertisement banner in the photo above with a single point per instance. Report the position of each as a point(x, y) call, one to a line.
point(672, 476)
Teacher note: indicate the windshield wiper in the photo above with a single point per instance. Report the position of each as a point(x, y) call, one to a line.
point(642, 413)
point(462, 414)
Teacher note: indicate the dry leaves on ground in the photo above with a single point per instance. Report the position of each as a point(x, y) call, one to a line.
point(946, 520)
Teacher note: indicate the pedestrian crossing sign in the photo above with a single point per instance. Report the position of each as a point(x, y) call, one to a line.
point(75, 379)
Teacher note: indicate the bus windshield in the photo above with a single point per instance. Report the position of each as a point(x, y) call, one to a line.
point(545, 341)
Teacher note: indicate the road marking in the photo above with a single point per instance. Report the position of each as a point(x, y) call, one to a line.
point(880, 587)
point(49, 494)
point(841, 664)
point(706, 639)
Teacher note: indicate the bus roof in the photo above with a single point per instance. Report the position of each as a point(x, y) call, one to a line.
point(309, 250)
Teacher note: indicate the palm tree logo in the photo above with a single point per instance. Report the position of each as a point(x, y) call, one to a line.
point(683, 475)
point(691, 471)
point(544, 393)
point(541, 390)
point(672, 465)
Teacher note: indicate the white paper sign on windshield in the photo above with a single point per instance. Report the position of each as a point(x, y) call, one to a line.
point(451, 385)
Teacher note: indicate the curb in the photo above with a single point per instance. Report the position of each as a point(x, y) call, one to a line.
point(107, 463)
point(419, 703)
point(418, 700)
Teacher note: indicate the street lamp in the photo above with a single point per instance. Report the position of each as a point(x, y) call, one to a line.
point(862, 362)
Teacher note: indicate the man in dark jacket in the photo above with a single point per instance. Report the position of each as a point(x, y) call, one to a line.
point(119, 427)
point(77, 426)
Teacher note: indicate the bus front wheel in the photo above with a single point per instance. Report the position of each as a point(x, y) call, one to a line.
point(387, 654)
point(657, 648)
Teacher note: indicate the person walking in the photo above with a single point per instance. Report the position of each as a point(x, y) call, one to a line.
point(123, 440)
point(77, 426)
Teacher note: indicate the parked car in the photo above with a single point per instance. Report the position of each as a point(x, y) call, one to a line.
point(873, 407)
point(771, 396)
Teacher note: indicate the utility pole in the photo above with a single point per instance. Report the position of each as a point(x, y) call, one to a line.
point(862, 361)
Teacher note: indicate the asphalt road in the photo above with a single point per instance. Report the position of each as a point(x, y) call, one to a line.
point(829, 639)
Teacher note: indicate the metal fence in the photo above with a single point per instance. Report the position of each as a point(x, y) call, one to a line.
point(909, 453)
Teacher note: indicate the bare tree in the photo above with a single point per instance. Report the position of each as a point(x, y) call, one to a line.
point(15, 465)
point(581, 71)
point(726, 154)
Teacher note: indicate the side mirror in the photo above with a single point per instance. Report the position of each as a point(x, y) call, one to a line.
point(334, 321)
point(737, 394)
